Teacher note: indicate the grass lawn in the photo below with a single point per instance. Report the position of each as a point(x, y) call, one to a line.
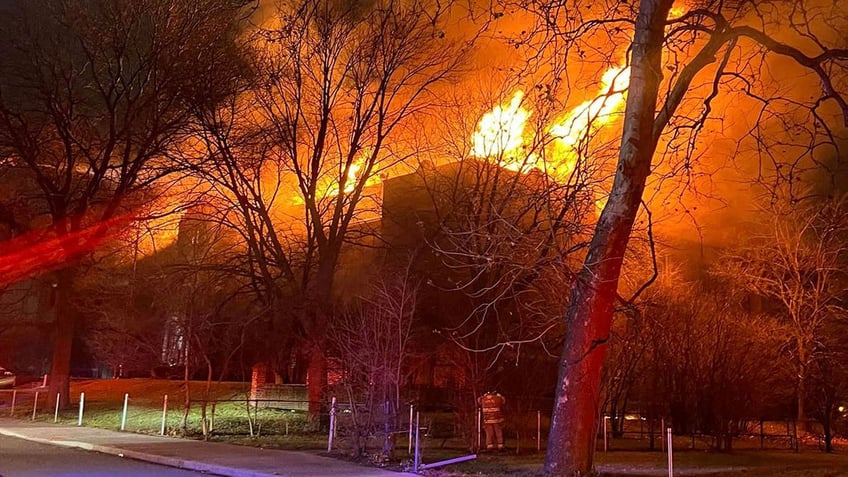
point(104, 404)
point(288, 430)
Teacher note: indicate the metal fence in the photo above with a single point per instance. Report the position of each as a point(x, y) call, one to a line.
point(287, 423)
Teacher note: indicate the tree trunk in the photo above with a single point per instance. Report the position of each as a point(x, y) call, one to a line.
point(800, 414)
point(827, 428)
point(620, 427)
point(728, 437)
point(651, 424)
point(322, 295)
point(589, 318)
point(63, 339)
point(316, 381)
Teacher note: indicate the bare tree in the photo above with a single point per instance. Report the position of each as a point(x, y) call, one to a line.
point(512, 204)
point(798, 262)
point(297, 152)
point(829, 383)
point(118, 291)
point(709, 365)
point(92, 98)
point(375, 346)
point(679, 64)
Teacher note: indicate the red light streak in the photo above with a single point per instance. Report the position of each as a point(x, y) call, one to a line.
point(30, 254)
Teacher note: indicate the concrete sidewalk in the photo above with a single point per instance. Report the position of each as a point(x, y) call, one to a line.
point(212, 457)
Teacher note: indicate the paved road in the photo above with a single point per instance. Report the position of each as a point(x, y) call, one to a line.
point(200, 456)
point(20, 458)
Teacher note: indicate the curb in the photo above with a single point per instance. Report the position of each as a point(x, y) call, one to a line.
point(141, 456)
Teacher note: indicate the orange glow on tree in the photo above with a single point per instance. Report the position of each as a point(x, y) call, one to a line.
point(329, 186)
point(158, 232)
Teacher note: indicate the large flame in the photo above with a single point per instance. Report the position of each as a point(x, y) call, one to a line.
point(500, 133)
point(677, 12)
point(579, 124)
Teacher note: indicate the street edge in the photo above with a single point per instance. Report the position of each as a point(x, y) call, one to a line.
point(144, 457)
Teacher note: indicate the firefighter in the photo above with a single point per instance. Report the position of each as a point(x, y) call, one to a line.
point(493, 419)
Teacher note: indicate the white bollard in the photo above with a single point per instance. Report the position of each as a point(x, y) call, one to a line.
point(164, 414)
point(606, 438)
point(44, 382)
point(332, 425)
point(124, 413)
point(56, 411)
point(416, 460)
point(34, 405)
point(670, 460)
point(538, 431)
point(81, 407)
point(14, 397)
point(409, 446)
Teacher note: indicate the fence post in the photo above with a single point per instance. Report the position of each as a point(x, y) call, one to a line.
point(249, 418)
point(417, 460)
point(479, 428)
point(409, 446)
point(56, 411)
point(14, 397)
point(44, 381)
point(124, 412)
point(606, 439)
point(538, 431)
point(34, 405)
point(332, 425)
point(81, 407)
point(164, 414)
point(670, 460)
